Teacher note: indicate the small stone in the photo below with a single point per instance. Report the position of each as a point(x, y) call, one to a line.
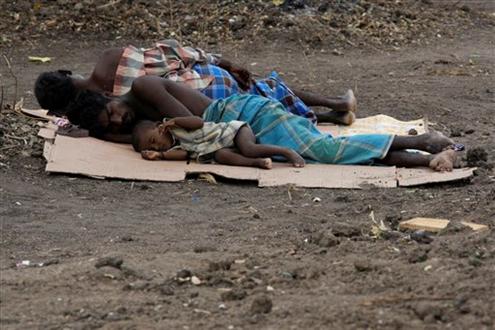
point(469, 131)
point(234, 294)
point(195, 280)
point(138, 285)
point(474, 261)
point(183, 273)
point(127, 238)
point(115, 262)
point(166, 290)
point(412, 131)
point(214, 266)
point(421, 236)
point(418, 255)
point(456, 132)
point(363, 266)
point(204, 248)
point(261, 305)
point(325, 239)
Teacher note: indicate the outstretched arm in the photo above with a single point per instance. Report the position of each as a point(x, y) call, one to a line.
point(176, 154)
point(169, 98)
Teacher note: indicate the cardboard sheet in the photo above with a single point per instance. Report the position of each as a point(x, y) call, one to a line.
point(376, 125)
point(96, 158)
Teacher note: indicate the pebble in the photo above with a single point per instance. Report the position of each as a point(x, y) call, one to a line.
point(183, 273)
point(115, 262)
point(234, 294)
point(195, 280)
point(421, 236)
point(261, 305)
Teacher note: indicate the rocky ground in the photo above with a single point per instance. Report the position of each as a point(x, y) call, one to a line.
point(81, 253)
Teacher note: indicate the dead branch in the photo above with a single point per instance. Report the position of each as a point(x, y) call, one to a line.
point(1, 98)
point(15, 80)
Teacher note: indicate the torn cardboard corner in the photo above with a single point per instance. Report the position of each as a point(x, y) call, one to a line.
point(38, 114)
point(95, 158)
point(435, 225)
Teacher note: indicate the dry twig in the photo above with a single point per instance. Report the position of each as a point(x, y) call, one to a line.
point(15, 80)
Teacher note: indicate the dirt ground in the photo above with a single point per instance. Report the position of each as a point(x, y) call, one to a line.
point(110, 254)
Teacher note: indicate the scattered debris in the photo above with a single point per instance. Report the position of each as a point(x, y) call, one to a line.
point(435, 225)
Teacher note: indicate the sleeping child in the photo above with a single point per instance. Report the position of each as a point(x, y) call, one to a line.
point(232, 143)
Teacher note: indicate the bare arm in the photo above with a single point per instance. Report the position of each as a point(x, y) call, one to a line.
point(176, 154)
point(103, 75)
point(169, 98)
point(240, 74)
point(188, 123)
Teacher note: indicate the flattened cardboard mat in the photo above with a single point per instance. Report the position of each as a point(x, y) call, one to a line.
point(96, 158)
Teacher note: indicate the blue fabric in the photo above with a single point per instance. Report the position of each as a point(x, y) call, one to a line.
point(271, 124)
point(224, 85)
point(274, 88)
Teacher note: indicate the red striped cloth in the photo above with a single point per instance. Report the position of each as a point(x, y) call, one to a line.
point(166, 59)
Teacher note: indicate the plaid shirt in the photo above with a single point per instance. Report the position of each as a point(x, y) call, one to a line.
point(166, 59)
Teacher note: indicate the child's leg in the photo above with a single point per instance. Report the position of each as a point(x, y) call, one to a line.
point(230, 157)
point(245, 141)
point(443, 161)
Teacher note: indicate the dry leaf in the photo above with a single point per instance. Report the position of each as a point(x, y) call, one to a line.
point(208, 178)
point(39, 59)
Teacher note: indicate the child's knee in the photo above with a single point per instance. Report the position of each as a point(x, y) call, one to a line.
point(220, 155)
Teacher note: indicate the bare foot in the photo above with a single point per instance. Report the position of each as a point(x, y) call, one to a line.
point(151, 155)
point(350, 100)
point(444, 161)
point(296, 159)
point(435, 142)
point(336, 117)
point(265, 163)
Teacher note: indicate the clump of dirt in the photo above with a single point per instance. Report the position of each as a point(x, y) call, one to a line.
point(317, 22)
point(477, 157)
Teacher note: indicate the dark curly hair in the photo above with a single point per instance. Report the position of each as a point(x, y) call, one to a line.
point(138, 131)
point(54, 90)
point(85, 109)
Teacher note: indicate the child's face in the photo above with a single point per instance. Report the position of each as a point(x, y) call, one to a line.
point(155, 139)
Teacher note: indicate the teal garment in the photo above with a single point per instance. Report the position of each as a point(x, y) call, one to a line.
point(273, 125)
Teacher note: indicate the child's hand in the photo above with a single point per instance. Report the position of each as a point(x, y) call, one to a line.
point(151, 155)
point(162, 128)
